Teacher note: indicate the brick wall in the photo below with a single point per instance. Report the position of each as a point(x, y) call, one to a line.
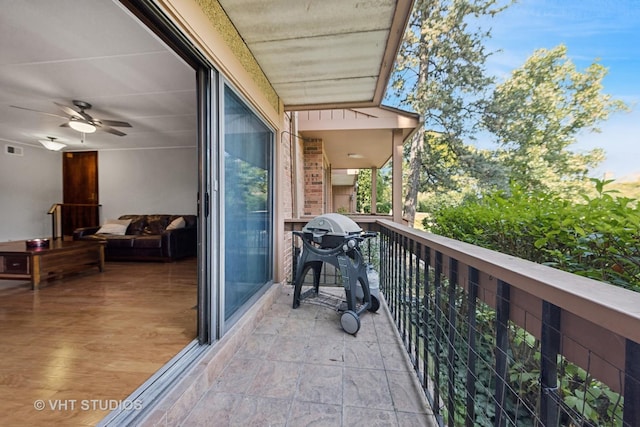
point(313, 177)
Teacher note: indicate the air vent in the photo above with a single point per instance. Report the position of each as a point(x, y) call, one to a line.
point(13, 150)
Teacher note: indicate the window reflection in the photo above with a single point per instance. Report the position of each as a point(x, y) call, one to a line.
point(247, 194)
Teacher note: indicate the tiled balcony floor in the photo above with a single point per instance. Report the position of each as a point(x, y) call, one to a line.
point(299, 368)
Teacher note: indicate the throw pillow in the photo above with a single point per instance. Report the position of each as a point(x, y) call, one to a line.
point(114, 226)
point(177, 223)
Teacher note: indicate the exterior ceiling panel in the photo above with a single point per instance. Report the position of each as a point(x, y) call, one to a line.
point(328, 91)
point(297, 59)
point(268, 20)
point(323, 53)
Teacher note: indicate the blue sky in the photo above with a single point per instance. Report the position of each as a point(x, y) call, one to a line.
point(604, 30)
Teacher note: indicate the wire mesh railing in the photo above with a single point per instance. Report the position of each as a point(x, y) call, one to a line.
point(498, 341)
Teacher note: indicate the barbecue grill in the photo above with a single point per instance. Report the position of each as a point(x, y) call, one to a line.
point(335, 239)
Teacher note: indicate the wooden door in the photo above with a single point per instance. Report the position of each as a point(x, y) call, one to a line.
point(80, 191)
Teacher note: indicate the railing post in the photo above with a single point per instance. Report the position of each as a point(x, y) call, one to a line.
point(416, 344)
point(403, 300)
point(474, 277)
point(451, 341)
point(438, 330)
point(425, 320)
point(411, 309)
point(631, 411)
point(396, 278)
point(502, 344)
point(549, 349)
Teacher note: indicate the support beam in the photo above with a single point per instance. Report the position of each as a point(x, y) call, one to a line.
point(374, 190)
point(396, 176)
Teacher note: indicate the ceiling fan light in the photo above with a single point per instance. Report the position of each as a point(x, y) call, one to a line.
point(81, 126)
point(50, 144)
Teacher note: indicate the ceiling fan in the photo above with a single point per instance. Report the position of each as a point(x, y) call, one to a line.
point(83, 121)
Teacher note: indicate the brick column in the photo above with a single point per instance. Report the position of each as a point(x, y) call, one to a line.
point(313, 177)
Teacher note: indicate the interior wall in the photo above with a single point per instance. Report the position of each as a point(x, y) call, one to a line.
point(29, 185)
point(160, 181)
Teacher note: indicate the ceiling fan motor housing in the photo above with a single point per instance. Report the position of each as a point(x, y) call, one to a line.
point(82, 105)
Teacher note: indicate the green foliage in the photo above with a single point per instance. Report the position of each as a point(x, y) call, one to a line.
point(598, 238)
point(537, 113)
point(383, 191)
point(440, 75)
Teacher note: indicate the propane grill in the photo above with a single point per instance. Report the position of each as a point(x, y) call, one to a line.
point(335, 239)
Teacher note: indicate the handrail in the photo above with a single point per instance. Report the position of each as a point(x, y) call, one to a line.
point(612, 307)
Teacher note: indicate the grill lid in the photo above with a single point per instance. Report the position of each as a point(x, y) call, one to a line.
point(331, 224)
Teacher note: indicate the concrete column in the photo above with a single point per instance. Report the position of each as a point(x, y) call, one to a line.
point(396, 176)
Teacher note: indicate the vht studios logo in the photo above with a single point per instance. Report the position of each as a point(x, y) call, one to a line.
point(87, 405)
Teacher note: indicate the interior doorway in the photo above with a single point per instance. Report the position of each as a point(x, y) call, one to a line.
point(80, 204)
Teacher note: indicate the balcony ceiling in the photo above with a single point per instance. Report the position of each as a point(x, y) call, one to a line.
point(357, 138)
point(315, 53)
point(323, 53)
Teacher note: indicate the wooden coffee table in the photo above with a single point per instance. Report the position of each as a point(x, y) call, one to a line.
point(62, 257)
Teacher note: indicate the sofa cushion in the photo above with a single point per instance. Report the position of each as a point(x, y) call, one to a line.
point(156, 224)
point(114, 241)
point(149, 241)
point(138, 223)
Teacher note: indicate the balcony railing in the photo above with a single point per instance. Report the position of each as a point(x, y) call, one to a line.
point(497, 340)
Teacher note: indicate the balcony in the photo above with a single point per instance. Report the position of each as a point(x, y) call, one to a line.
point(496, 340)
point(465, 336)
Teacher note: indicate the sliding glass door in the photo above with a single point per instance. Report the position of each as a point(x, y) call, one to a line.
point(248, 200)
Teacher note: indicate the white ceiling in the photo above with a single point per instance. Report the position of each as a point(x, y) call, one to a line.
point(315, 53)
point(94, 51)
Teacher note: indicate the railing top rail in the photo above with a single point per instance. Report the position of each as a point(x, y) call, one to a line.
point(609, 306)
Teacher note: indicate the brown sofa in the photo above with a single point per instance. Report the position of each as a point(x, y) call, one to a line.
point(147, 238)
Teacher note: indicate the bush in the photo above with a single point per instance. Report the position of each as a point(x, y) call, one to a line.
point(599, 238)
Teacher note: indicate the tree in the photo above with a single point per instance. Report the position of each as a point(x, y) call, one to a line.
point(536, 115)
point(440, 75)
point(383, 191)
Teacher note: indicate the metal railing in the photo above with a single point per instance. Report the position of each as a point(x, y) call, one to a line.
point(497, 340)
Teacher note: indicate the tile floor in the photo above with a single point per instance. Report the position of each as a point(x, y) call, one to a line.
point(299, 368)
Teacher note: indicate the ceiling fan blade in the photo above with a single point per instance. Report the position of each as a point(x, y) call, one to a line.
point(73, 113)
point(111, 130)
point(115, 123)
point(41, 112)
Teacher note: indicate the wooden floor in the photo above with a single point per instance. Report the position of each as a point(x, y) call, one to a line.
point(72, 350)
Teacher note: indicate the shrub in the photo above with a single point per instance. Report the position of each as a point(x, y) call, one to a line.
point(599, 238)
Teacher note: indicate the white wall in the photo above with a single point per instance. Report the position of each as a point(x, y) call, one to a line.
point(158, 181)
point(29, 185)
point(130, 182)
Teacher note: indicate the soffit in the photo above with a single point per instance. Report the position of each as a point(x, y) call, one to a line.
point(359, 138)
point(323, 53)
